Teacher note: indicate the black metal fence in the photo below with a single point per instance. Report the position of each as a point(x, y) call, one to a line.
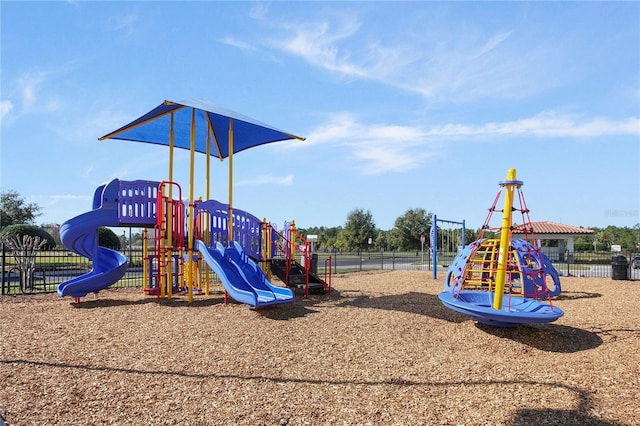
point(576, 264)
point(52, 267)
point(56, 266)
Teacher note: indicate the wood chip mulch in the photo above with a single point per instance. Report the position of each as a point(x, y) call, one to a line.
point(381, 349)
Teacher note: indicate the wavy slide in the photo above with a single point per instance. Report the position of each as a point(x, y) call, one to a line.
point(80, 235)
point(243, 280)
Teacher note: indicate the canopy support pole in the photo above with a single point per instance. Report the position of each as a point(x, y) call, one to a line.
point(208, 166)
point(170, 213)
point(206, 229)
point(230, 224)
point(191, 268)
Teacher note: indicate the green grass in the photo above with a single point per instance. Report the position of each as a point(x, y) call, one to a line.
point(51, 287)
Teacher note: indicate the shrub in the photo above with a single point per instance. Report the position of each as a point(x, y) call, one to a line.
point(107, 238)
point(21, 229)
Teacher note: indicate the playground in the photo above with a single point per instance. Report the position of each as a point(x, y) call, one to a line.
point(380, 349)
point(218, 335)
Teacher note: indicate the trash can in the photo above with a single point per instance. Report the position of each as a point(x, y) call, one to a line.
point(313, 266)
point(619, 268)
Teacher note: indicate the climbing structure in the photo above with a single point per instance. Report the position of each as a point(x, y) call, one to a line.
point(502, 281)
point(166, 262)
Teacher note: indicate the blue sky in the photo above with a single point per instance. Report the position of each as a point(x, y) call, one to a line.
point(403, 104)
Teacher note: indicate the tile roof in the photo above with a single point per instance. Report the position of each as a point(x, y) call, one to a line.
point(541, 228)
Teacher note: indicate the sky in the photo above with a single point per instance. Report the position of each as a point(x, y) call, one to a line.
point(404, 105)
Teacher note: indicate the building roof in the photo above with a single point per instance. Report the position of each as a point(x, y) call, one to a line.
point(542, 228)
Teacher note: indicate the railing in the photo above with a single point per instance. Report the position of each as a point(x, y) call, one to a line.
point(56, 266)
point(578, 264)
point(53, 267)
point(328, 273)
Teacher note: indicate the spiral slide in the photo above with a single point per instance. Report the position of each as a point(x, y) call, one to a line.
point(241, 277)
point(80, 235)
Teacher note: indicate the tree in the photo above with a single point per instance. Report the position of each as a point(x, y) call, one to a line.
point(15, 210)
point(326, 236)
point(409, 227)
point(21, 230)
point(53, 229)
point(24, 248)
point(107, 238)
point(470, 235)
point(340, 242)
point(358, 229)
point(624, 237)
point(382, 242)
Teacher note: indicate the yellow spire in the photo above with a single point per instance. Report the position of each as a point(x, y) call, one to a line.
point(505, 237)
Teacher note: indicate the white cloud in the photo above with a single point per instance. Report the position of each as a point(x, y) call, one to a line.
point(266, 180)
point(5, 108)
point(381, 148)
point(450, 63)
point(28, 88)
point(377, 148)
point(28, 98)
point(378, 158)
point(493, 42)
point(545, 125)
point(28, 85)
point(232, 41)
point(340, 127)
point(66, 197)
point(318, 44)
point(443, 64)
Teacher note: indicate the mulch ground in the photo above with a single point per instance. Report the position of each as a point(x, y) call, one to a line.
point(381, 349)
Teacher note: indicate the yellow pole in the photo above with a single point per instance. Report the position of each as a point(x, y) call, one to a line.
point(208, 165)
point(162, 276)
point(145, 258)
point(170, 213)
point(292, 239)
point(230, 224)
point(169, 245)
point(263, 244)
point(207, 239)
point(171, 145)
point(190, 224)
point(198, 271)
point(505, 237)
point(269, 247)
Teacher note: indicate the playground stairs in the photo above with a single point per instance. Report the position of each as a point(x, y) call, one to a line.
point(296, 277)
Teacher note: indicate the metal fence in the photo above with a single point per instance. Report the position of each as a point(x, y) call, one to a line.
point(52, 267)
point(577, 264)
point(56, 266)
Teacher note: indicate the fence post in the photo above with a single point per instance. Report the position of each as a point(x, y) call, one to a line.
point(2, 265)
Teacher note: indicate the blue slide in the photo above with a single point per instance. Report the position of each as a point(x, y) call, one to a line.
point(241, 277)
point(80, 235)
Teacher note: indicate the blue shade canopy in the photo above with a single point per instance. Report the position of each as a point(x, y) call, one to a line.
point(155, 127)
